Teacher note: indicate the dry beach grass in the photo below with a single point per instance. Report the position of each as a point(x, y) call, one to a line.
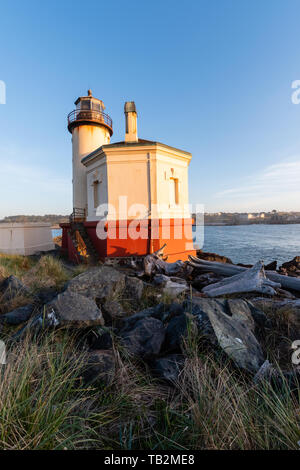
point(44, 403)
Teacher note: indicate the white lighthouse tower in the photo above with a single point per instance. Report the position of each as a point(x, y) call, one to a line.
point(90, 128)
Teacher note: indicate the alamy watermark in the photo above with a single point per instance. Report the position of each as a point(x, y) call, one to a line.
point(2, 353)
point(296, 353)
point(2, 92)
point(156, 223)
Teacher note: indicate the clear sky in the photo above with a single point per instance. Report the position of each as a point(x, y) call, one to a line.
point(209, 76)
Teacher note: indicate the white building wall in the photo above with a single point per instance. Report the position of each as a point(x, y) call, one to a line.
point(25, 239)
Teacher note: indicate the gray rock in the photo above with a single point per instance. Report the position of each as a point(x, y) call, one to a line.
point(172, 286)
point(177, 331)
point(72, 309)
point(198, 309)
point(100, 368)
point(113, 311)
point(145, 339)
point(134, 288)
point(259, 317)
point(101, 283)
point(155, 312)
point(100, 338)
point(169, 367)
point(233, 326)
point(11, 287)
point(17, 316)
point(203, 280)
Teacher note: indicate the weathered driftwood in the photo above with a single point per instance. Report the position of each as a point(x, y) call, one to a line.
point(223, 269)
point(251, 280)
point(154, 263)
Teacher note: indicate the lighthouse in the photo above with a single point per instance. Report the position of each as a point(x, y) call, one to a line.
point(129, 197)
point(91, 128)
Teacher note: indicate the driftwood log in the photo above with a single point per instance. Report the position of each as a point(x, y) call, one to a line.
point(155, 264)
point(251, 280)
point(227, 270)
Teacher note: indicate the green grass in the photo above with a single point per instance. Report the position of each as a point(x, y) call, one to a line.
point(45, 405)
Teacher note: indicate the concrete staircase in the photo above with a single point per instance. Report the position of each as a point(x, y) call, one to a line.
point(85, 249)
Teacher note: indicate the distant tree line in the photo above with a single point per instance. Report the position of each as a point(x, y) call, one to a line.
point(53, 219)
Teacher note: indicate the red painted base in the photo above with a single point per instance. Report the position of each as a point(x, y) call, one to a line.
point(135, 238)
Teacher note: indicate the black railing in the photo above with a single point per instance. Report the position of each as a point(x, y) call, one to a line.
point(77, 214)
point(89, 115)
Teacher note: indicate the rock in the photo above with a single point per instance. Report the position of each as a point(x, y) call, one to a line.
point(278, 379)
point(100, 338)
point(259, 317)
point(145, 339)
point(177, 331)
point(101, 283)
point(113, 311)
point(170, 311)
point(47, 294)
point(233, 326)
point(134, 288)
point(17, 316)
point(162, 312)
point(203, 280)
point(130, 322)
point(291, 267)
point(169, 367)
point(213, 257)
point(100, 368)
point(287, 310)
point(74, 310)
point(202, 320)
point(264, 372)
point(173, 286)
point(11, 287)
point(271, 266)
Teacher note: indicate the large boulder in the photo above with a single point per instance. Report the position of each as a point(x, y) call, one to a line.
point(12, 287)
point(233, 326)
point(145, 338)
point(101, 283)
point(74, 310)
point(99, 368)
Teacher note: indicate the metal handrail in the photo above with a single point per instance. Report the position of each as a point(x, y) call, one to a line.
point(78, 213)
point(89, 115)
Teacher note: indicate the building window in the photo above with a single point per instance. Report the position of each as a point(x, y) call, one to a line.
point(85, 104)
point(174, 192)
point(96, 187)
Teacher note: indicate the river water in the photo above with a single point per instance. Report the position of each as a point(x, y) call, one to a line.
point(248, 243)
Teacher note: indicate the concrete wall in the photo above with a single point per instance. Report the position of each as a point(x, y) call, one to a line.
point(25, 238)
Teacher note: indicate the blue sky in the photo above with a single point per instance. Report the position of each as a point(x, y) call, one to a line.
point(210, 76)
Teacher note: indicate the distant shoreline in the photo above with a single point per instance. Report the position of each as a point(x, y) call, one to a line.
point(220, 224)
